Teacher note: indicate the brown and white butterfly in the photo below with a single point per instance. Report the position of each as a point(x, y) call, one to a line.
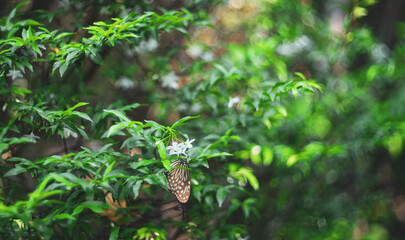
point(179, 180)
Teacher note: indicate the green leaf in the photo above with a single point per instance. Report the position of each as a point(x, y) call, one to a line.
point(117, 173)
point(221, 195)
point(166, 164)
point(153, 124)
point(15, 171)
point(36, 49)
point(108, 170)
point(62, 35)
point(203, 161)
point(13, 12)
point(19, 91)
point(131, 106)
point(156, 179)
point(359, 12)
point(56, 65)
point(182, 30)
point(29, 22)
point(221, 69)
point(3, 146)
point(118, 114)
point(267, 156)
point(216, 155)
point(209, 200)
point(114, 233)
point(244, 173)
point(255, 155)
point(95, 206)
point(161, 149)
point(247, 206)
point(300, 75)
point(79, 130)
point(60, 178)
point(63, 216)
point(23, 161)
point(78, 209)
point(82, 115)
point(38, 196)
point(63, 68)
point(143, 162)
point(179, 122)
point(253, 181)
point(19, 140)
point(136, 187)
point(74, 179)
point(197, 192)
point(72, 55)
point(70, 110)
point(114, 130)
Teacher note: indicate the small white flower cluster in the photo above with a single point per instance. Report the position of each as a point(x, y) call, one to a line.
point(124, 83)
point(194, 108)
point(147, 46)
point(207, 56)
point(293, 48)
point(380, 52)
point(170, 81)
point(233, 101)
point(32, 137)
point(14, 74)
point(144, 46)
point(67, 133)
point(196, 51)
point(180, 148)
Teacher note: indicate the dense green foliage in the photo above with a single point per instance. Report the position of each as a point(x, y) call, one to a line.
point(94, 93)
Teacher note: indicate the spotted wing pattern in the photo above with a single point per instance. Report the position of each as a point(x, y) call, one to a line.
point(179, 180)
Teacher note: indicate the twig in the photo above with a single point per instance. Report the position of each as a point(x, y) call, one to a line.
point(65, 145)
point(179, 229)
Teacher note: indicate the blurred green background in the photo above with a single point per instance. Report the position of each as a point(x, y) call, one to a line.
point(318, 164)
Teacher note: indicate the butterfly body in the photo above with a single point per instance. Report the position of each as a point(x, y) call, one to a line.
point(179, 180)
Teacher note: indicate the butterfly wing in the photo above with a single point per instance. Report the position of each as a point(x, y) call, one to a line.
point(179, 180)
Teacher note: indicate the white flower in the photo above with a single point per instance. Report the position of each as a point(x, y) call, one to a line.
point(170, 81)
point(295, 47)
point(147, 46)
point(172, 149)
point(194, 51)
point(233, 101)
point(14, 74)
point(196, 108)
point(207, 56)
point(380, 52)
point(67, 133)
point(180, 148)
point(188, 143)
point(182, 107)
point(177, 149)
point(230, 180)
point(124, 83)
point(32, 137)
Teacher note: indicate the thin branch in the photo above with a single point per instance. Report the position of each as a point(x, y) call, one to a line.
point(65, 145)
point(179, 230)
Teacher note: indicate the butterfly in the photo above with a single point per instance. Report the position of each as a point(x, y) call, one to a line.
point(179, 180)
